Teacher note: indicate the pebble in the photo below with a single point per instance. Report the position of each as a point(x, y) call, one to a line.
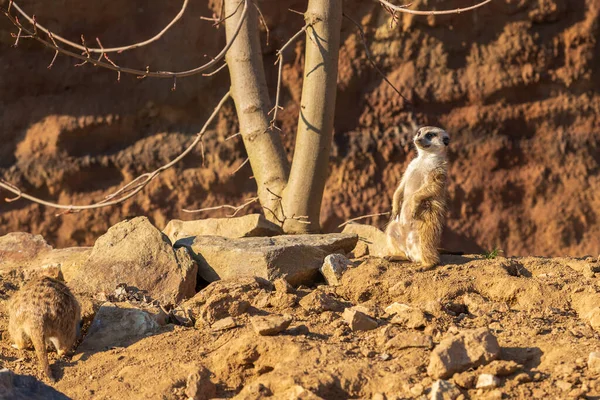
point(487, 381)
point(358, 321)
point(271, 324)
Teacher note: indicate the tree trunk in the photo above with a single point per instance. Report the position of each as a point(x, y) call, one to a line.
point(249, 91)
point(310, 165)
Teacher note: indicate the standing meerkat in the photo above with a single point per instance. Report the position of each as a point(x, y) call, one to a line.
point(44, 311)
point(419, 203)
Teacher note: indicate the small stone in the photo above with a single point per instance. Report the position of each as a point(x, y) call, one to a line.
point(444, 390)
point(358, 320)
point(318, 302)
point(334, 267)
point(224, 324)
point(378, 396)
point(405, 340)
point(417, 390)
point(465, 380)
point(408, 316)
point(594, 362)
point(282, 286)
point(199, 386)
point(468, 349)
point(384, 357)
point(564, 385)
point(271, 325)
point(501, 368)
point(487, 381)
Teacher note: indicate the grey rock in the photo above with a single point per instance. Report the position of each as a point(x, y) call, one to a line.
point(271, 324)
point(25, 387)
point(118, 325)
point(374, 239)
point(134, 252)
point(238, 227)
point(468, 349)
point(297, 258)
point(334, 267)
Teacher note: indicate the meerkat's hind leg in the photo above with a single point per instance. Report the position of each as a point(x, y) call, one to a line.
point(19, 338)
point(395, 242)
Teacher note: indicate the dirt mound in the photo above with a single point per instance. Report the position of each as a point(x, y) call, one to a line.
point(534, 307)
point(516, 84)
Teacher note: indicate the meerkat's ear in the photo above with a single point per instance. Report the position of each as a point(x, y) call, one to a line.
point(446, 140)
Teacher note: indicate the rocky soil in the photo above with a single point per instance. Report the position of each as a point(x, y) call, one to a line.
point(515, 83)
point(362, 327)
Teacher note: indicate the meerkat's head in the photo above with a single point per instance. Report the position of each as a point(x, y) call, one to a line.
point(430, 139)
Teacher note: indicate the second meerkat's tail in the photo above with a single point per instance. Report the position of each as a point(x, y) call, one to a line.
point(39, 344)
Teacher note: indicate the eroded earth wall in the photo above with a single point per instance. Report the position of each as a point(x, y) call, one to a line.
point(516, 83)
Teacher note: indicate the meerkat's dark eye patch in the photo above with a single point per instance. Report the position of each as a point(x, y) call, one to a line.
point(446, 140)
point(430, 136)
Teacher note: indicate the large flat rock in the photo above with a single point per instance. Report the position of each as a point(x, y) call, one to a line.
point(247, 226)
point(32, 256)
point(136, 253)
point(296, 258)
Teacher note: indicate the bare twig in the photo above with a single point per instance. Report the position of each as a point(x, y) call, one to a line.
point(130, 189)
point(110, 49)
point(403, 9)
point(362, 217)
point(279, 74)
point(240, 166)
point(234, 135)
point(263, 22)
point(300, 219)
point(112, 66)
point(368, 53)
point(216, 70)
point(235, 209)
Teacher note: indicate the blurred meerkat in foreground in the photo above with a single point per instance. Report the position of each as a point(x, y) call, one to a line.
point(419, 203)
point(44, 311)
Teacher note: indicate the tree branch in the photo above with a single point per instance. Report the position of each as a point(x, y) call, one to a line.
point(235, 209)
point(403, 9)
point(279, 74)
point(362, 217)
point(104, 50)
point(371, 60)
point(86, 56)
point(127, 191)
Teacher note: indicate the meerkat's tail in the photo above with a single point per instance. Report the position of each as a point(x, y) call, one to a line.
point(39, 344)
point(430, 233)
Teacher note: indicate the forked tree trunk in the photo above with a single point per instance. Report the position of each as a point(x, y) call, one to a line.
point(249, 91)
point(310, 165)
point(301, 196)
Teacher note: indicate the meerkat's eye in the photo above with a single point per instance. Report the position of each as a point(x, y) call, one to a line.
point(429, 136)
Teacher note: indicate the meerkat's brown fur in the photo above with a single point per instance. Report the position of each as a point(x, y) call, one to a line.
point(419, 202)
point(43, 311)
